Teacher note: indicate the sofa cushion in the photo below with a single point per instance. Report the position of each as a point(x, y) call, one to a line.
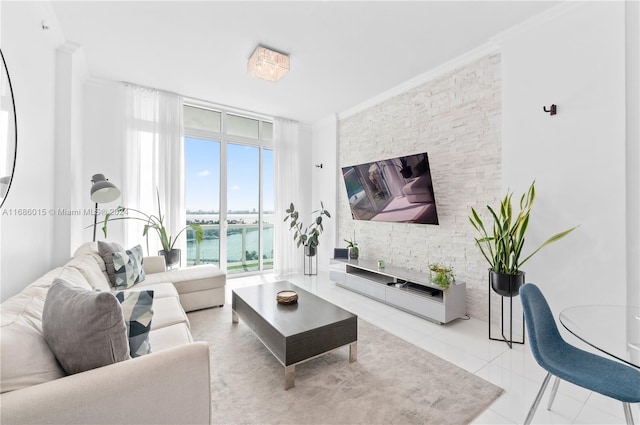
point(72, 276)
point(137, 308)
point(167, 312)
point(170, 336)
point(128, 267)
point(192, 279)
point(106, 250)
point(90, 270)
point(26, 359)
point(84, 329)
point(160, 290)
point(91, 248)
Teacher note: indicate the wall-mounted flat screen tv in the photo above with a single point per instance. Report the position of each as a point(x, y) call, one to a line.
point(397, 189)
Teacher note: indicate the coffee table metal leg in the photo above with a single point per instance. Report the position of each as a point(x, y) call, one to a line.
point(234, 316)
point(289, 376)
point(353, 352)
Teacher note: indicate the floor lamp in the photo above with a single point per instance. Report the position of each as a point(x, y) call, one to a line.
point(102, 191)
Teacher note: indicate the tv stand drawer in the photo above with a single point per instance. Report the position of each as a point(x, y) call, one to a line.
point(365, 286)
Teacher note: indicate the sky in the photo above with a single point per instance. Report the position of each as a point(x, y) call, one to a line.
point(202, 176)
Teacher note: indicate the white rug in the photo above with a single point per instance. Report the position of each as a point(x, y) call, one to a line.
point(393, 381)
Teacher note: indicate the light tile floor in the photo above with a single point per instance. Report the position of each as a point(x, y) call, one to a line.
point(465, 344)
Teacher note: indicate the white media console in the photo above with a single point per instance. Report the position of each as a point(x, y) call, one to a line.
point(404, 289)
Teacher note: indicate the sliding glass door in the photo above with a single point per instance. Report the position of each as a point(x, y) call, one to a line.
point(229, 190)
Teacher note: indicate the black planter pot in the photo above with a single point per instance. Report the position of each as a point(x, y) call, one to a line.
point(171, 258)
point(310, 250)
point(506, 285)
point(354, 253)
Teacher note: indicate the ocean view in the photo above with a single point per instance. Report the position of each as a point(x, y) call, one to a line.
point(242, 237)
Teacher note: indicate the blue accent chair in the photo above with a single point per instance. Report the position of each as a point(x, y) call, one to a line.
point(564, 361)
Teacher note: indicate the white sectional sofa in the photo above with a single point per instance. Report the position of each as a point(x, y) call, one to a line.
point(171, 385)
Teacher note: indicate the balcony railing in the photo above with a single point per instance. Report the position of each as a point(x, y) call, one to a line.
point(243, 247)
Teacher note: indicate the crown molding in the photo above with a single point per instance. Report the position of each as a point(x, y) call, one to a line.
point(538, 20)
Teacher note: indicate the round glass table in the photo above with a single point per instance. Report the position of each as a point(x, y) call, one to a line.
point(614, 330)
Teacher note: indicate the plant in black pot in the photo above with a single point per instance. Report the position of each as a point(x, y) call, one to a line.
point(501, 244)
point(156, 223)
point(307, 236)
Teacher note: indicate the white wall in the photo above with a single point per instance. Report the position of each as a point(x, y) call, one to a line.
point(103, 103)
point(573, 57)
point(71, 191)
point(322, 179)
point(28, 240)
point(633, 150)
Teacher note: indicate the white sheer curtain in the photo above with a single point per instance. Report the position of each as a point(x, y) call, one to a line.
point(154, 158)
point(288, 258)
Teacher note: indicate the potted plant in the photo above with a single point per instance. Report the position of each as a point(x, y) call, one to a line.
point(502, 243)
point(307, 236)
point(442, 275)
point(354, 251)
point(156, 223)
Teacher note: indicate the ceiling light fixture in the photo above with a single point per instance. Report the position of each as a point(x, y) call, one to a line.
point(267, 64)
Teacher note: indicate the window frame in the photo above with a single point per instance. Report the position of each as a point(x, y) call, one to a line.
point(224, 139)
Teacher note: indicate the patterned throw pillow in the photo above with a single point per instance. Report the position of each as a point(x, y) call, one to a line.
point(128, 267)
point(137, 308)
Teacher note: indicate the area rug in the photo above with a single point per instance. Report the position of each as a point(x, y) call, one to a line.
point(392, 382)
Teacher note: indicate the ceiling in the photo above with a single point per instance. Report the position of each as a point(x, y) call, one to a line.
point(342, 53)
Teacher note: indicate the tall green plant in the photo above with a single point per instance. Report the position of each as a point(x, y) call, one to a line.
point(307, 236)
point(502, 247)
point(155, 223)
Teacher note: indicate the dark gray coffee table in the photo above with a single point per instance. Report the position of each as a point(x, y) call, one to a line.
point(297, 332)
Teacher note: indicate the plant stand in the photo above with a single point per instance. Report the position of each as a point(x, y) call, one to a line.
point(309, 259)
point(509, 341)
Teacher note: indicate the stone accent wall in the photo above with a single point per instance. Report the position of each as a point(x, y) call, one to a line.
point(456, 119)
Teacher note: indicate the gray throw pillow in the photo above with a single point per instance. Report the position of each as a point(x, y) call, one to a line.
point(106, 250)
point(84, 329)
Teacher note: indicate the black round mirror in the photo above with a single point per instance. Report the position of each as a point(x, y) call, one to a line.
point(8, 132)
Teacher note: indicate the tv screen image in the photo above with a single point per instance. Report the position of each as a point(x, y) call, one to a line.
point(397, 190)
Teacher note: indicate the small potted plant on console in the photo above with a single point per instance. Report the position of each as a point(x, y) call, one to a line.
point(354, 251)
point(442, 275)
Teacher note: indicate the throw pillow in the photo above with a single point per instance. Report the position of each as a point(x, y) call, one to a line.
point(128, 267)
point(137, 308)
point(84, 329)
point(106, 250)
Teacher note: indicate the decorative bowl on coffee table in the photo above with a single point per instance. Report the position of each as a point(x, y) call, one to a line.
point(287, 297)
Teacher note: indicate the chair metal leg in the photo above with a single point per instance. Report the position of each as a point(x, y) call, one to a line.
point(554, 390)
point(536, 402)
point(627, 413)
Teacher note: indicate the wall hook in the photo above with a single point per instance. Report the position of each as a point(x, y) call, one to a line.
point(319, 165)
point(552, 110)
